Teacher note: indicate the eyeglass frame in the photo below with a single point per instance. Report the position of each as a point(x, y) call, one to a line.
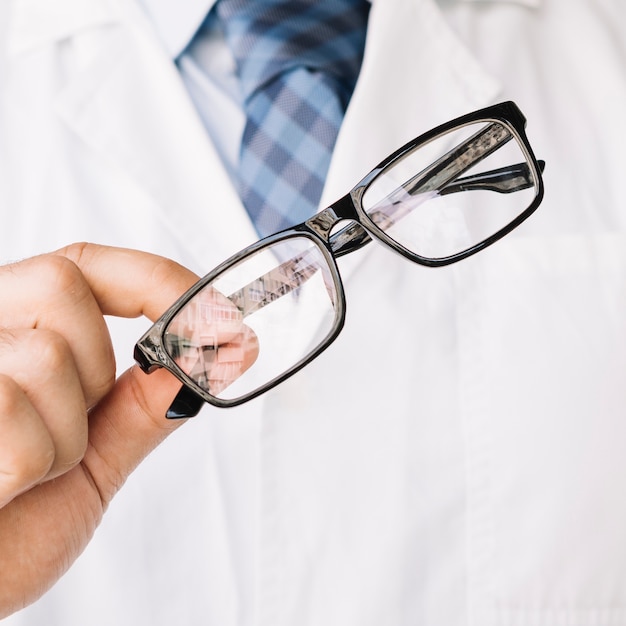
point(150, 353)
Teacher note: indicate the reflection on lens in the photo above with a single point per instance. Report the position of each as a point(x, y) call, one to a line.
point(209, 341)
point(453, 193)
point(256, 320)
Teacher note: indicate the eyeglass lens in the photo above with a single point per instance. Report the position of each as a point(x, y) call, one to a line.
point(454, 192)
point(256, 320)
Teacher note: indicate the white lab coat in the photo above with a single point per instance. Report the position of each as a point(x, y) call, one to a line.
point(457, 456)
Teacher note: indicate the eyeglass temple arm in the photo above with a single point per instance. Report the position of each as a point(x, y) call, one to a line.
point(185, 404)
point(502, 180)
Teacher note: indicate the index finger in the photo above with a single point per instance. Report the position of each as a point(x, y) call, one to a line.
point(129, 283)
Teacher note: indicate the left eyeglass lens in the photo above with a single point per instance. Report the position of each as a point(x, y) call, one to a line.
point(256, 320)
point(448, 195)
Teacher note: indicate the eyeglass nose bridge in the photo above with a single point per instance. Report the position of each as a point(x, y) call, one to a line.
point(347, 239)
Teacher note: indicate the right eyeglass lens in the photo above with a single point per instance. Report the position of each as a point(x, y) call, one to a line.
point(454, 192)
point(256, 320)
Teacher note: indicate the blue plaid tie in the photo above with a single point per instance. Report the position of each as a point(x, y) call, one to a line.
point(298, 61)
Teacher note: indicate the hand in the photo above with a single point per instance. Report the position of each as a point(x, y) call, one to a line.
point(62, 415)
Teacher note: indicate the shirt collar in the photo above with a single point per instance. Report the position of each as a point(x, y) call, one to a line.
point(177, 22)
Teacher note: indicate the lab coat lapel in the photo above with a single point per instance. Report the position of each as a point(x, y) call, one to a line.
point(415, 74)
point(126, 101)
point(38, 22)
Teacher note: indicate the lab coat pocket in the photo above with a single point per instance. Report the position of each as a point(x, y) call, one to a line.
point(543, 381)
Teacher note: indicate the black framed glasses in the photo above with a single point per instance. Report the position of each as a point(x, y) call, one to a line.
point(272, 308)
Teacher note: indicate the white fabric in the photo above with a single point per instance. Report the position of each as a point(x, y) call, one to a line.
point(176, 22)
point(456, 457)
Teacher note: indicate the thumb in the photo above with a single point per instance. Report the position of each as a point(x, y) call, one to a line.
point(126, 425)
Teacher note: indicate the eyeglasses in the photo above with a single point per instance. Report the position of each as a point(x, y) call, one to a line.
point(272, 308)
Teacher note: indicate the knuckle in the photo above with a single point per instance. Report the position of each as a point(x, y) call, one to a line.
point(55, 279)
point(50, 351)
point(19, 472)
point(76, 251)
point(59, 275)
point(22, 470)
point(62, 465)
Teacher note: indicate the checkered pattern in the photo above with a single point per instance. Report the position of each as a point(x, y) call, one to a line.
point(297, 61)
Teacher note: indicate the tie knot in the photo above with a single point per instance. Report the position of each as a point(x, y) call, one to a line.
point(271, 37)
